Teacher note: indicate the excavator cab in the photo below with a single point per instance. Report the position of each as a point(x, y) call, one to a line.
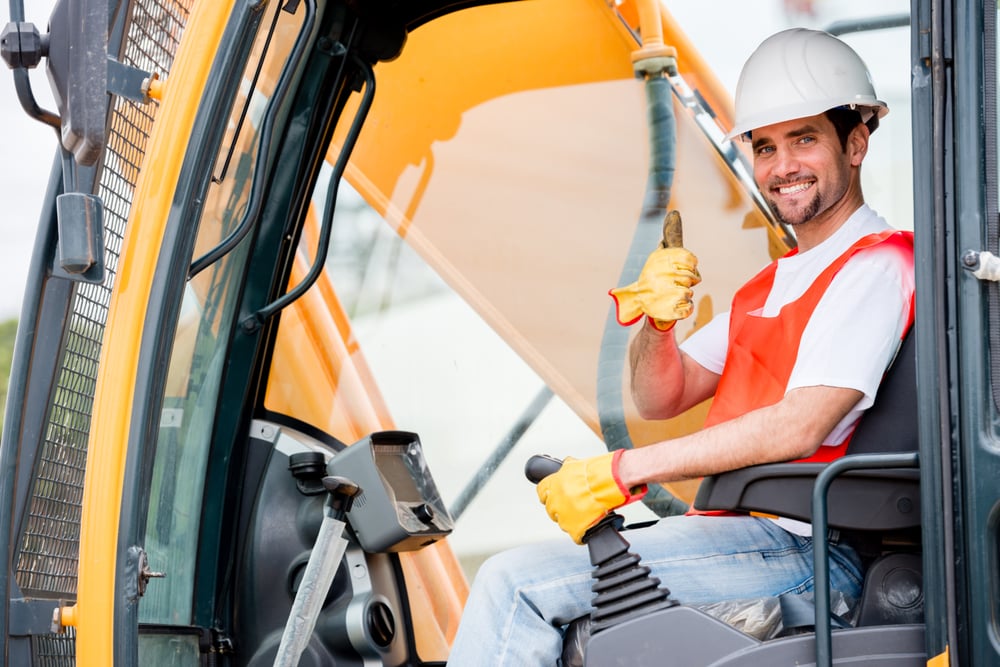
point(190, 367)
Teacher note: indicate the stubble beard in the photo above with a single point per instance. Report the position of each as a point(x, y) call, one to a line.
point(801, 216)
point(798, 216)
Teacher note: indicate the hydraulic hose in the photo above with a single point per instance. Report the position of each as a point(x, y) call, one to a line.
point(261, 172)
point(652, 62)
point(22, 83)
point(323, 244)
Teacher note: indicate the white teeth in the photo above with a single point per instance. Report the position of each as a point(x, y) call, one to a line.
point(792, 189)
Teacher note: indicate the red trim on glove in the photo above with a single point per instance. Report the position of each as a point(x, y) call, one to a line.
point(652, 322)
point(630, 496)
point(618, 310)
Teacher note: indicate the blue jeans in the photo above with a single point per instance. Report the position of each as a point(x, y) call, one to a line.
point(522, 598)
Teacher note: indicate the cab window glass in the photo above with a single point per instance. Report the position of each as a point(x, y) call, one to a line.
point(201, 345)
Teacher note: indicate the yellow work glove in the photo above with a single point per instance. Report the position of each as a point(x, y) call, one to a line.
point(663, 290)
point(584, 490)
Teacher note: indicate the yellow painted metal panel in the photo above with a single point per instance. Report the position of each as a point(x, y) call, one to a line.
point(940, 660)
point(115, 388)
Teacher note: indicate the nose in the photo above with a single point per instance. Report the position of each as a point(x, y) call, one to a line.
point(784, 163)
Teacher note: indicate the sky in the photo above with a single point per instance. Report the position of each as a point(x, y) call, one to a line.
point(29, 146)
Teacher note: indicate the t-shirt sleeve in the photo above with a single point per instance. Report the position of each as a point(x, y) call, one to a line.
point(856, 328)
point(708, 345)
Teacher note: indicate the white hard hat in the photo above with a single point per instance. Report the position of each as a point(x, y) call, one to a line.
point(798, 73)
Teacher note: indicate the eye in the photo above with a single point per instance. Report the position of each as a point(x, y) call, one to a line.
point(807, 139)
point(763, 150)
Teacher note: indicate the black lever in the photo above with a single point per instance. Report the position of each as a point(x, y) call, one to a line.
point(541, 466)
point(342, 494)
point(623, 589)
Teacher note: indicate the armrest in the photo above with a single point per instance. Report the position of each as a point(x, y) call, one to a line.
point(883, 499)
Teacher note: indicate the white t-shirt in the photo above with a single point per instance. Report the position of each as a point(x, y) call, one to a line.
point(856, 327)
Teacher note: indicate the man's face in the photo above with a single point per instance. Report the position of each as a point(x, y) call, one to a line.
point(801, 168)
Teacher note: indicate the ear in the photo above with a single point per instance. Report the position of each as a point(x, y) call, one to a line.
point(857, 144)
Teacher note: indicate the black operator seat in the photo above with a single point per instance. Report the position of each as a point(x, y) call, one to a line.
point(878, 508)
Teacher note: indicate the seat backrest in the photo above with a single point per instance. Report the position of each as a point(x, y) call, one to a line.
point(858, 500)
point(890, 424)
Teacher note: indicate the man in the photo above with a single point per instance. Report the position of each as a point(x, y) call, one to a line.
point(791, 367)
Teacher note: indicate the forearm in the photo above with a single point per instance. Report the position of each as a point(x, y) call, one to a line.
point(664, 381)
point(791, 429)
point(657, 380)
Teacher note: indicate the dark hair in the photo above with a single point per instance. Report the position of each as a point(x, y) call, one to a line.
point(845, 119)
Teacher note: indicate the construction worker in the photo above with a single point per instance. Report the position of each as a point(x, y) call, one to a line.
point(791, 366)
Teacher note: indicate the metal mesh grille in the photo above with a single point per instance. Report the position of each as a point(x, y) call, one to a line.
point(49, 546)
point(54, 650)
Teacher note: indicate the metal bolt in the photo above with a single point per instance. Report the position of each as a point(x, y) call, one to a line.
point(970, 259)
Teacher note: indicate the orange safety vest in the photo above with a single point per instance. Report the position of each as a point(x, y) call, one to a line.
point(758, 361)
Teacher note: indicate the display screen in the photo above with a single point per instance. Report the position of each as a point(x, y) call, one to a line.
point(400, 468)
point(404, 472)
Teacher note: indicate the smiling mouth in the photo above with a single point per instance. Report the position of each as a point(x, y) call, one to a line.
point(794, 188)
